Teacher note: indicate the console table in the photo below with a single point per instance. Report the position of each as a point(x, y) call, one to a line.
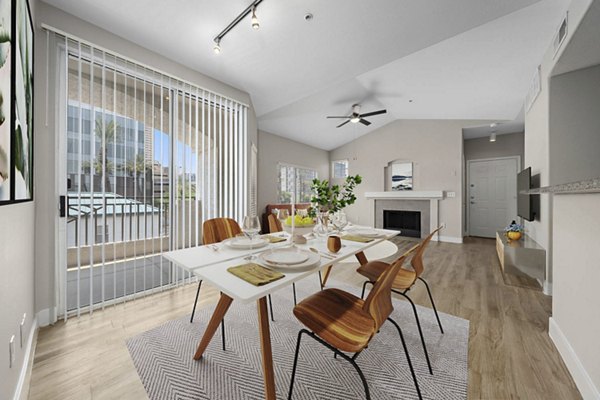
point(523, 261)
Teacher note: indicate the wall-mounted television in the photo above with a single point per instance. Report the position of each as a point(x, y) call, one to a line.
point(524, 201)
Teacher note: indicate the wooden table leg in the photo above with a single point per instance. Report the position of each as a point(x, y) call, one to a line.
point(327, 272)
point(362, 259)
point(265, 345)
point(215, 320)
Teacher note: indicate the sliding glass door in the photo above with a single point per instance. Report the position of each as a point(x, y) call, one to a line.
point(148, 158)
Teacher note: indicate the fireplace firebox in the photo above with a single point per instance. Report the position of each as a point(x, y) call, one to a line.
point(407, 222)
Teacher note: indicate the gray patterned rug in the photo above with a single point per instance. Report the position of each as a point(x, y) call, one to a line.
point(163, 357)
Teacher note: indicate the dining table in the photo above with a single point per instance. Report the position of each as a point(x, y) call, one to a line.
point(210, 263)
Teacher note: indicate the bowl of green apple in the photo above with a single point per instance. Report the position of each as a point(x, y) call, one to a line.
point(302, 225)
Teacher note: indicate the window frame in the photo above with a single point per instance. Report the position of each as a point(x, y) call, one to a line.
point(347, 162)
point(295, 168)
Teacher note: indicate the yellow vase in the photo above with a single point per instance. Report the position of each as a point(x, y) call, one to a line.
point(513, 235)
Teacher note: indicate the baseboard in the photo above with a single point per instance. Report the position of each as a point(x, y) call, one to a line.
point(22, 390)
point(582, 379)
point(449, 239)
point(46, 317)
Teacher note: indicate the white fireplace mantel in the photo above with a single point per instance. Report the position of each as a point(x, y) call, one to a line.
point(433, 196)
point(407, 194)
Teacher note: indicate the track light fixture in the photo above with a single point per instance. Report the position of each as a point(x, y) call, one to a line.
point(255, 24)
point(493, 136)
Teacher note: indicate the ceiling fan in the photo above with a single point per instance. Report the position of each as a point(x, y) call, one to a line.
point(356, 116)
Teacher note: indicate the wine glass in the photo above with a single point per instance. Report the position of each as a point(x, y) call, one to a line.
point(339, 221)
point(251, 226)
point(283, 214)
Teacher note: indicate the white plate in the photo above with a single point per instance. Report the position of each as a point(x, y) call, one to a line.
point(312, 261)
point(287, 256)
point(368, 233)
point(242, 242)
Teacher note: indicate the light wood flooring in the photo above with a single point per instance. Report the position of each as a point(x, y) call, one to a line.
point(510, 353)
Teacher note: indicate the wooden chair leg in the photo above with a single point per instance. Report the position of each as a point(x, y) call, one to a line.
point(362, 259)
point(216, 319)
point(327, 272)
point(412, 371)
point(432, 304)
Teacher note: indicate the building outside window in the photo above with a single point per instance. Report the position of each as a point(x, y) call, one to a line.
point(303, 181)
point(339, 169)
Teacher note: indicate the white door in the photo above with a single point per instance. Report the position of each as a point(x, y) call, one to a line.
point(492, 195)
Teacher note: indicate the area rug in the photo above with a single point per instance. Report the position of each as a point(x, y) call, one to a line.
point(163, 357)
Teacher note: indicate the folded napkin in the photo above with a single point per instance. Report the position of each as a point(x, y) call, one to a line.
point(255, 274)
point(357, 238)
point(274, 239)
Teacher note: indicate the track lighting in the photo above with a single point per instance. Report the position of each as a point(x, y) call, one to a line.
point(251, 9)
point(493, 136)
point(255, 24)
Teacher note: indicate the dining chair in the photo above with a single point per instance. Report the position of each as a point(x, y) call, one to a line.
point(275, 226)
point(216, 230)
point(274, 223)
point(403, 281)
point(345, 323)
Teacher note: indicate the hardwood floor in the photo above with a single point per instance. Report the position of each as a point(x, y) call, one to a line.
point(510, 353)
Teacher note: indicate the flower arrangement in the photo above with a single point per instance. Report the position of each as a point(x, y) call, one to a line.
point(514, 231)
point(514, 227)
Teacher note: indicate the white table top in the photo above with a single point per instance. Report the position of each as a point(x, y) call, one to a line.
point(211, 266)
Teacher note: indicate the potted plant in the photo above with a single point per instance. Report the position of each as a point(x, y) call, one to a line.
point(329, 199)
point(514, 231)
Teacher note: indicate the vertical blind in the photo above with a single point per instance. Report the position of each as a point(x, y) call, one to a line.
point(148, 157)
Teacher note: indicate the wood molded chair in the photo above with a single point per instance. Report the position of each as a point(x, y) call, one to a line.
point(274, 223)
point(343, 322)
point(403, 282)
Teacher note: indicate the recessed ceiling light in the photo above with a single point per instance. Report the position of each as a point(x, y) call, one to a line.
point(493, 137)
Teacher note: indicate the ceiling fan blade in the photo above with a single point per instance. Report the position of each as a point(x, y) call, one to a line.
point(364, 122)
point(329, 116)
point(370, 114)
point(342, 124)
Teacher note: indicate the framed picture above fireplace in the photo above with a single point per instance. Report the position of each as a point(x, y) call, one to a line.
point(400, 175)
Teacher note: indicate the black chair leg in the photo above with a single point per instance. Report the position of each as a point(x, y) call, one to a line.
point(412, 370)
point(223, 332)
point(196, 301)
point(302, 331)
point(419, 327)
point(294, 290)
point(432, 304)
point(271, 307)
point(321, 280)
point(362, 294)
point(336, 352)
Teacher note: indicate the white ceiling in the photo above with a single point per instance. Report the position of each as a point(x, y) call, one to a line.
point(460, 59)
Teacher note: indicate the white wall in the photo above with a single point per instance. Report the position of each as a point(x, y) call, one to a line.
point(575, 325)
point(537, 153)
point(46, 138)
point(434, 147)
point(17, 294)
point(272, 150)
point(575, 126)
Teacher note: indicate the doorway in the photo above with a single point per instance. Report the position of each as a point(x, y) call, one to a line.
point(492, 195)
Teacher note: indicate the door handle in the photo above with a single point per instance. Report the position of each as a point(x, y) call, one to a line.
point(62, 206)
point(472, 202)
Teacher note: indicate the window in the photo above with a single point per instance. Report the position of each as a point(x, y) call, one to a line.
point(288, 174)
point(339, 169)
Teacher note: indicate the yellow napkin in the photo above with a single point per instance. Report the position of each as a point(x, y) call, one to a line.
point(357, 238)
point(255, 274)
point(274, 239)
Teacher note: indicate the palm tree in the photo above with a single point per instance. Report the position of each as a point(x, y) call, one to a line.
point(107, 132)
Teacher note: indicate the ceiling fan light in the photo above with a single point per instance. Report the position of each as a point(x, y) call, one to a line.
point(355, 119)
point(217, 48)
point(255, 24)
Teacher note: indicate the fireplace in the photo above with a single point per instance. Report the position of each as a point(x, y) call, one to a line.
point(407, 222)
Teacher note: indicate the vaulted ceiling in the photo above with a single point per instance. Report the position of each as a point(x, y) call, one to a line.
point(459, 59)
